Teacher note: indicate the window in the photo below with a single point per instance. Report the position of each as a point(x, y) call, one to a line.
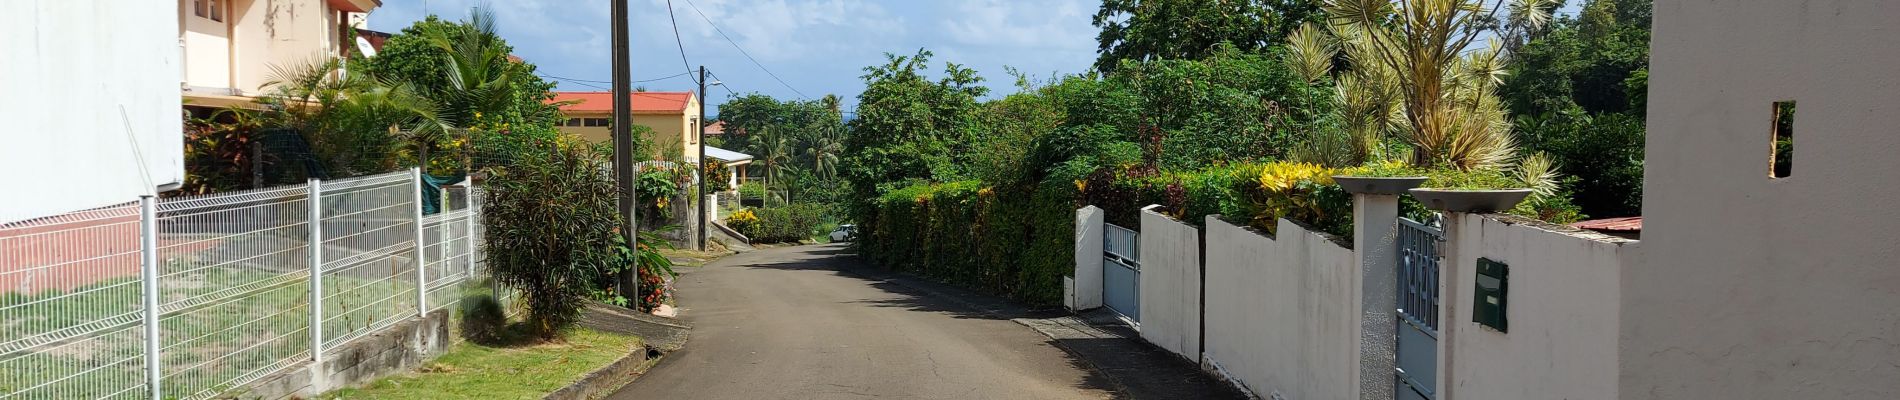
point(1781, 147)
point(208, 9)
point(573, 122)
point(692, 137)
point(597, 122)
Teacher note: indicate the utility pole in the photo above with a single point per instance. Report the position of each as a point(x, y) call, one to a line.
point(623, 148)
point(703, 158)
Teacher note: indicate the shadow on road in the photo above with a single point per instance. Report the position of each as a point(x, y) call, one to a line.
point(1132, 369)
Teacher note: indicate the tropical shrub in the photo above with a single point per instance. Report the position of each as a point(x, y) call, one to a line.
point(717, 176)
point(1299, 192)
point(551, 232)
point(790, 223)
point(656, 271)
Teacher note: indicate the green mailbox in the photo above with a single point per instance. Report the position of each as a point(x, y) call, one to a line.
point(1493, 283)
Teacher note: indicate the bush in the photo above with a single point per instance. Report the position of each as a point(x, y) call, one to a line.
point(1248, 193)
point(552, 234)
point(790, 223)
point(1019, 241)
point(482, 319)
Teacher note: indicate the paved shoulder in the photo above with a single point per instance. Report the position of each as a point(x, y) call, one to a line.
point(788, 324)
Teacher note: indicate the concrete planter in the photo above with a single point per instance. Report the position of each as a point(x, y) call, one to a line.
point(1470, 201)
point(1393, 185)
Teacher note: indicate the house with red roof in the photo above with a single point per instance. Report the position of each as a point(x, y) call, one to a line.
point(673, 116)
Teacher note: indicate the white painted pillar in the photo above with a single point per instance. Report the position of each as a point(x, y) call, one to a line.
point(314, 198)
point(1086, 287)
point(1375, 228)
point(422, 292)
point(148, 288)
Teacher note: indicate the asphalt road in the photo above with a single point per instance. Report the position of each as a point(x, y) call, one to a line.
point(787, 323)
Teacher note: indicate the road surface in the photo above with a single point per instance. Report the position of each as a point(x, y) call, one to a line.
point(786, 323)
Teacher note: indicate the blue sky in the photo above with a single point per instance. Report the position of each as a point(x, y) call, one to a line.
point(816, 46)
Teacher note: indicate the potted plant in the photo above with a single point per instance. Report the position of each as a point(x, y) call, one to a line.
point(1476, 191)
point(1391, 178)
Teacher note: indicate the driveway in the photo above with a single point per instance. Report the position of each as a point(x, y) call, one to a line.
point(793, 323)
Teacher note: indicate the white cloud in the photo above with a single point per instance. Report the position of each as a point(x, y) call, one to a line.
point(1030, 25)
point(780, 29)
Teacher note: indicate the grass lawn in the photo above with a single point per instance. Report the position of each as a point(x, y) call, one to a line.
point(514, 369)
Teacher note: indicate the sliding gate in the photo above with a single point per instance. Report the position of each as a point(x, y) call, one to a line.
point(1121, 272)
point(1418, 310)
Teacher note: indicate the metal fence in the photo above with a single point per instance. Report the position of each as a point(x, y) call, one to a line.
point(190, 297)
point(1121, 271)
point(1417, 328)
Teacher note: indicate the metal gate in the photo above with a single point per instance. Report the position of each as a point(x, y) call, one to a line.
point(1121, 272)
point(1418, 245)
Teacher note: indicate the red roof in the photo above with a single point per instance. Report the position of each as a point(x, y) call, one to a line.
point(716, 128)
point(643, 102)
point(1624, 224)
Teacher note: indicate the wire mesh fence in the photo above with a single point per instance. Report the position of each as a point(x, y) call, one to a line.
point(236, 282)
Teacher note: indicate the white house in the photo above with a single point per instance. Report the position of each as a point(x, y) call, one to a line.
point(94, 116)
point(1756, 285)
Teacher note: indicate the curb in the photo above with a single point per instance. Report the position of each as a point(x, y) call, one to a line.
point(609, 378)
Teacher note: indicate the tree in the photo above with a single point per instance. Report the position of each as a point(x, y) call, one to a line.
point(1446, 88)
point(1577, 92)
point(1146, 30)
point(466, 69)
point(910, 127)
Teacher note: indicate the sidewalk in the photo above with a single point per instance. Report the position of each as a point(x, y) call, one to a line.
point(1137, 369)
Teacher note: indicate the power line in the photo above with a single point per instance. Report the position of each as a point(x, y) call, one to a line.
point(610, 82)
point(748, 56)
point(586, 84)
point(676, 39)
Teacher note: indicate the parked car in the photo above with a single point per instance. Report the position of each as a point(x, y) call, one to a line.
point(844, 233)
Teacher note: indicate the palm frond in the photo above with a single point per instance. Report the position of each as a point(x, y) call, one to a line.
point(1311, 52)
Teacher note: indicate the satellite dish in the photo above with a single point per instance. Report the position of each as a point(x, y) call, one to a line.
point(363, 46)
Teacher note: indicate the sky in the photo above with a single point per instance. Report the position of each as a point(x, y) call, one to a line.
point(816, 47)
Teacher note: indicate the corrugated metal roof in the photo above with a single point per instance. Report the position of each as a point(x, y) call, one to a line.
point(727, 155)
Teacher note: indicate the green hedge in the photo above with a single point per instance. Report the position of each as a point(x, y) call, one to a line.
point(1013, 241)
point(789, 223)
point(1019, 241)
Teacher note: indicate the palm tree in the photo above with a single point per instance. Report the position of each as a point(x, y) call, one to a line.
point(1446, 90)
point(348, 118)
point(824, 147)
point(480, 79)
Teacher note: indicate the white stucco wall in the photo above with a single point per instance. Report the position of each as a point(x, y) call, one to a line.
point(1170, 284)
point(1561, 307)
point(1769, 288)
point(1086, 287)
point(85, 78)
point(1283, 314)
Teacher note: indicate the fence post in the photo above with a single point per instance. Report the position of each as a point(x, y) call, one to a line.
point(422, 293)
point(315, 198)
point(148, 271)
point(468, 233)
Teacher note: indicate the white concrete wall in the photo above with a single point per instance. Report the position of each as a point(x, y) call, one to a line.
point(1764, 288)
point(1282, 314)
point(1086, 289)
point(85, 80)
point(1170, 284)
point(1561, 307)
